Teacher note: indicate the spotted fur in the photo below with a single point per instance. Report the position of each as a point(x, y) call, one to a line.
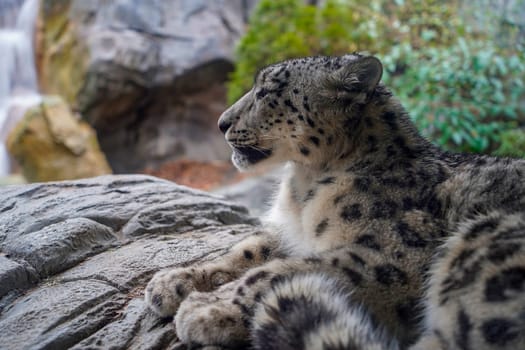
point(377, 239)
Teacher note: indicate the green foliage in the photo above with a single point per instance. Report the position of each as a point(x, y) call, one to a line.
point(286, 29)
point(463, 96)
point(512, 144)
point(465, 93)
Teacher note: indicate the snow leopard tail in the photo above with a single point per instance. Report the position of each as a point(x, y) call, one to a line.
point(310, 312)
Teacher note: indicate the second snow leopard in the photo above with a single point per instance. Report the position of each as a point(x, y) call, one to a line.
point(376, 240)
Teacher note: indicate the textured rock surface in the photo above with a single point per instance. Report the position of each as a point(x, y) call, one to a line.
point(148, 75)
point(255, 193)
point(50, 144)
point(75, 257)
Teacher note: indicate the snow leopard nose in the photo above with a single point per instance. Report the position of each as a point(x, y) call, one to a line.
point(224, 125)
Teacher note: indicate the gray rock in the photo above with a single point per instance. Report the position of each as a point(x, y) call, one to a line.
point(14, 276)
point(148, 75)
point(255, 193)
point(59, 246)
point(75, 257)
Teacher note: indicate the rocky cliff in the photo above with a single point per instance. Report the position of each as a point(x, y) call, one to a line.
point(75, 257)
point(148, 75)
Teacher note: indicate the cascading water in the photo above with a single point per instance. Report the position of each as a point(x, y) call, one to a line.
point(18, 79)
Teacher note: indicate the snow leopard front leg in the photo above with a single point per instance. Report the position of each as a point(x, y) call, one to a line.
point(224, 317)
point(168, 288)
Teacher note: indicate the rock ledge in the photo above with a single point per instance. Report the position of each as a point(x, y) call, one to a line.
point(75, 257)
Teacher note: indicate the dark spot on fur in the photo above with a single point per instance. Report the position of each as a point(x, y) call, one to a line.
point(511, 233)
point(309, 195)
point(410, 237)
point(335, 262)
point(368, 241)
point(499, 331)
point(405, 149)
point(291, 106)
point(245, 310)
point(351, 124)
point(372, 143)
point(478, 228)
point(339, 199)
point(354, 276)
point(508, 284)
point(157, 300)
point(305, 151)
point(285, 304)
point(306, 106)
point(276, 280)
point(459, 261)
point(408, 312)
point(179, 289)
point(391, 151)
point(433, 205)
point(408, 203)
point(261, 93)
point(265, 252)
point(310, 122)
point(462, 335)
point(314, 140)
point(240, 291)
point(383, 209)
point(256, 277)
point(321, 227)
point(327, 180)
point(389, 274)
point(312, 260)
point(248, 255)
point(351, 212)
point(289, 122)
point(362, 184)
point(390, 120)
point(357, 259)
point(461, 279)
point(499, 252)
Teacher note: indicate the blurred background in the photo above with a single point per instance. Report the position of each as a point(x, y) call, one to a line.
point(91, 87)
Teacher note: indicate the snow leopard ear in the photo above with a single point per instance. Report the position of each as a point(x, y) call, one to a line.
point(354, 81)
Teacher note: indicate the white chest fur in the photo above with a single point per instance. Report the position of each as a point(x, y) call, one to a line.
point(298, 220)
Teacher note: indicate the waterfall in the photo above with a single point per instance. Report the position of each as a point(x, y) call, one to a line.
point(18, 79)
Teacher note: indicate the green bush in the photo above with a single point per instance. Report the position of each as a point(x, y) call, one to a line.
point(512, 144)
point(286, 29)
point(462, 93)
point(463, 96)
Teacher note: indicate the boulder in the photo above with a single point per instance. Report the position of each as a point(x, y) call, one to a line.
point(75, 257)
point(148, 75)
point(50, 143)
